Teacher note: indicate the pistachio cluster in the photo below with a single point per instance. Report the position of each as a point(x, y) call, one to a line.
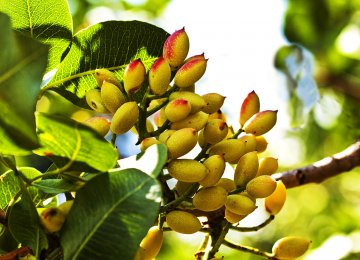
point(172, 113)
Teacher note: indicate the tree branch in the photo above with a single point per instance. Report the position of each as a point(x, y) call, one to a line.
point(323, 169)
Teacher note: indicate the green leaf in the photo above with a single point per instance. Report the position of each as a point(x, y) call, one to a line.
point(22, 63)
point(110, 45)
point(9, 185)
point(48, 21)
point(24, 224)
point(55, 186)
point(73, 145)
point(110, 216)
point(151, 161)
point(297, 64)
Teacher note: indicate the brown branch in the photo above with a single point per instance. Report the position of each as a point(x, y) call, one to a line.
point(323, 169)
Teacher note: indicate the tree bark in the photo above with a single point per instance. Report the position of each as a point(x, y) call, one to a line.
point(323, 169)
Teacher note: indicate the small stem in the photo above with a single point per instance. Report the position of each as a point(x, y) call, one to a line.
point(202, 153)
point(237, 134)
point(113, 139)
point(255, 228)
point(200, 252)
point(237, 190)
point(220, 240)
point(248, 249)
point(160, 129)
point(157, 108)
point(191, 190)
point(168, 194)
point(166, 94)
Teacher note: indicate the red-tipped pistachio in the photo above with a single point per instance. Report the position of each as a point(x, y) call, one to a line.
point(190, 73)
point(261, 122)
point(177, 109)
point(159, 76)
point(134, 76)
point(249, 107)
point(176, 48)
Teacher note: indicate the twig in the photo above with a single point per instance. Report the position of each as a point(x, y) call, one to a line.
point(323, 169)
point(220, 240)
point(191, 190)
point(248, 249)
point(255, 228)
point(200, 252)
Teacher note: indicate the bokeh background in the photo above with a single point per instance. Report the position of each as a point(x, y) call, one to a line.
point(301, 57)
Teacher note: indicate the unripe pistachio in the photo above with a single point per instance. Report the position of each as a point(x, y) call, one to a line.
point(261, 144)
point(102, 75)
point(197, 121)
point(275, 202)
point(240, 204)
point(232, 217)
point(218, 114)
point(159, 76)
point(152, 242)
point(261, 122)
point(52, 219)
point(210, 198)
point(99, 124)
point(177, 109)
point(214, 102)
point(195, 100)
point(164, 136)
point(181, 142)
point(183, 222)
point(190, 73)
point(160, 117)
point(124, 118)
point(187, 170)
point(250, 142)
point(246, 168)
point(267, 166)
point(111, 96)
point(93, 99)
point(290, 247)
point(228, 184)
point(134, 76)
point(176, 48)
point(261, 187)
point(231, 149)
point(249, 107)
point(216, 166)
point(147, 142)
point(215, 131)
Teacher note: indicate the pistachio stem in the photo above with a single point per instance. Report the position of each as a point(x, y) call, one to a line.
point(255, 228)
point(248, 249)
point(173, 204)
point(220, 240)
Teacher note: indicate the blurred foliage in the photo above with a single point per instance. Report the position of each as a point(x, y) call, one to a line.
point(330, 30)
point(79, 8)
